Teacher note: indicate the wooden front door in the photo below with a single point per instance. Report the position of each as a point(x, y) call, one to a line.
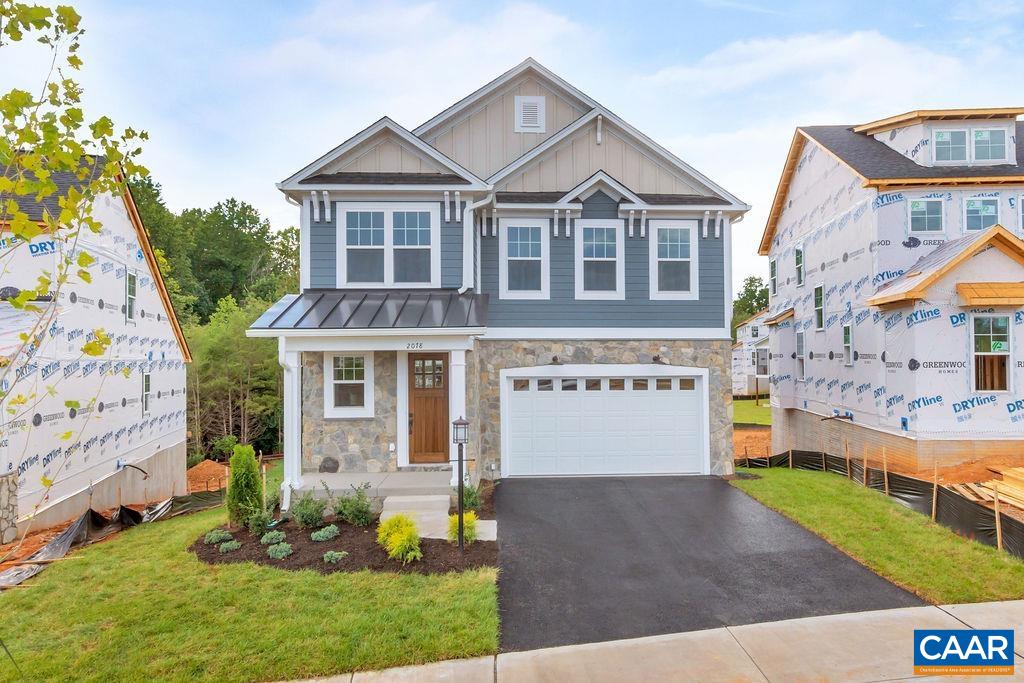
point(428, 407)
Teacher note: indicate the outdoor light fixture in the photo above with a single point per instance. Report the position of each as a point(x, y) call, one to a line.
point(460, 436)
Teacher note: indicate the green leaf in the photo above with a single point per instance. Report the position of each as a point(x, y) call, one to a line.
point(85, 260)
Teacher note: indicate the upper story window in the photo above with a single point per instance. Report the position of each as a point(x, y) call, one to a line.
point(673, 260)
point(989, 145)
point(800, 367)
point(991, 353)
point(524, 258)
point(926, 215)
point(530, 114)
point(773, 277)
point(848, 344)
point(950, 145)
point(147, 394)
point(754, 331)
point(599, 273)
point(819, 307)
point(386, 245)
point(131, 282)
point(798, 260)
point(981, 213)
point(761, 364)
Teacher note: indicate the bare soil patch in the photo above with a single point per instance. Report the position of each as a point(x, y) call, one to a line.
point(753, 441)
point(207, 476)
point(439, 556)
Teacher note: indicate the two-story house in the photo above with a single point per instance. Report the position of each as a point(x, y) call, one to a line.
point(525, 259)
point(896, 286)
point(750, 366)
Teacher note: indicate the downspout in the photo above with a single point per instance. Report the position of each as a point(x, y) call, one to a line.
point(469, 230)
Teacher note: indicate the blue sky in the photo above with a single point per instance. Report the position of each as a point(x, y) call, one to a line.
point(238, 95)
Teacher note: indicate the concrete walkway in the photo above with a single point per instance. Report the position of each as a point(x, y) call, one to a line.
point(861, 646)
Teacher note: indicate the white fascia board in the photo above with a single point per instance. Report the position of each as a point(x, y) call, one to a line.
point(350, 187)
point(291, 183)
point(511, 74)
point(596, 180)
point(652, 333)
point(685, 208)
point(368, 332)
point(378, 343)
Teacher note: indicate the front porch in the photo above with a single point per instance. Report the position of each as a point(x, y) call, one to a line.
point(382, 484)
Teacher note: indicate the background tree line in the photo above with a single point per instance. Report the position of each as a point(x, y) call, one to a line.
point(223, 267)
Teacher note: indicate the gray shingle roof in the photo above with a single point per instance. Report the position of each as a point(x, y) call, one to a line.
point(347, 309)
point(354, 178)
point(552, 197)
point(874, 159)
point(51, 203)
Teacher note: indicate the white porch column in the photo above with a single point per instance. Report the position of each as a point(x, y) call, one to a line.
point(291, 362)
point(456, 404)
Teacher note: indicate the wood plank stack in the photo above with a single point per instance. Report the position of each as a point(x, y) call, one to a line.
point(1010, 488)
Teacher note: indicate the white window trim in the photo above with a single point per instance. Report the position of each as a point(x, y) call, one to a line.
point(363, 411)
point(971, 154)
point(652, 269)
point(1006, 144)
point(910, 216)
point(620, 261)
point(847, 348)
point(773, 279)
point(800, 272)
point(802, 376)
point(147, 396)
point(545, 257)
point(967, 230)
point(767, 362)
point(1009, 355)
point(389, 209)
point(517, 123)
point(952, 129)
point(130, 273)
point(814, 305)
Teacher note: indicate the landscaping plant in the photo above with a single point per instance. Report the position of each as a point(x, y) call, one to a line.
point(245, 487)
point(399, 537)
point(229, 546)
point(470, 496)
point(272, 538)
point(279, 551)
point(355, 507)
point(308, 511)
point(468, 527)
point(325, 534)
point(217, 536)
point(258, 521)
point(334, 556)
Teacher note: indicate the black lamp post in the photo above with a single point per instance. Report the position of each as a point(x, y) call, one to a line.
point(460, 436)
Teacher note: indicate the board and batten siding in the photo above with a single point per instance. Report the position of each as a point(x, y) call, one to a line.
point(636, 310)
point(323, 249)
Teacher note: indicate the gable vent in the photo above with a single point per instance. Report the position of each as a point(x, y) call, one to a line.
point(529, 114)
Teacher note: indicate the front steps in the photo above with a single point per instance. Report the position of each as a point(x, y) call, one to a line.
point(430, 513)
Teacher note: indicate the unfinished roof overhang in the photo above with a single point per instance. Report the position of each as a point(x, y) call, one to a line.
point(914, 284)
point(780, 316)
point(991, 293)
point(911, 118)
point(301, 180)
point(376, 312)
point(763, 311)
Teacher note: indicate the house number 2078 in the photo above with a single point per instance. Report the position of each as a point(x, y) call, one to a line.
point(414, 345)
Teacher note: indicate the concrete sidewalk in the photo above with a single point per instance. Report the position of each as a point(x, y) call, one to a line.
point(861, 646)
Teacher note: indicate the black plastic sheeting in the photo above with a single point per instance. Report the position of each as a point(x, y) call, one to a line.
point(93, 526)
point(966, 517)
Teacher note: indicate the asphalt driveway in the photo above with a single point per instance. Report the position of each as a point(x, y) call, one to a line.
point(594, 559)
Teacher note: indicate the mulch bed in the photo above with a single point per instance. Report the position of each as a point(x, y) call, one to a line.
point(486, 509)
point(360, 543)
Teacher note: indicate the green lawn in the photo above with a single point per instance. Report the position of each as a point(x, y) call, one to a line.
point(141, 607)
point(749, 412)
point(902, 545)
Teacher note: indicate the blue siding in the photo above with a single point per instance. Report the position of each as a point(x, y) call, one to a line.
point(637, 310)
point(323, 248)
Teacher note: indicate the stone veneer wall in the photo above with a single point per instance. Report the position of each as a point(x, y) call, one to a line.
point(358, 444)
point(8, 507)
point(491, 356)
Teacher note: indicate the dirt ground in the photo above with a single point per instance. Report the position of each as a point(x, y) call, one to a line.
point(752, 441)
point(207, 476)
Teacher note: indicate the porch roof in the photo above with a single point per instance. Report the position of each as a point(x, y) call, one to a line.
point(375, 309)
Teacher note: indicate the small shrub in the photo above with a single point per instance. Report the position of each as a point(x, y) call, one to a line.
point(272, 538)
point(258, 521)
point(217, 536)
point(279, 551)
point(230, 546)
point(334, 556)
point(273, 501)
point(245, 488)
point(400, 539)
point(224, 446)
point(194, 459)
point(308, 511)
point(468, 527)
point(325, 534)
point(355, 507)
point(470, 496)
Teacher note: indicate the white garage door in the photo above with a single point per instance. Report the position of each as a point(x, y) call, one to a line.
point(607, 425)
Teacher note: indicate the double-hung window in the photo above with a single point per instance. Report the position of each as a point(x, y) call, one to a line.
point(773, 277)
point(131, 283)
point(761, 366)
point(147, 394)
point(981, 213)
point(848, 344)
point(524, 251)
point(991, 353)
point(926, 215)
point(348, 385)
point(989, 145)
point(950, 146)
point(798, 261)
point(384, 245)
point(673, 270)
point(599, 272)
point(819, 307)
point(800, 369)
point(754, 331)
